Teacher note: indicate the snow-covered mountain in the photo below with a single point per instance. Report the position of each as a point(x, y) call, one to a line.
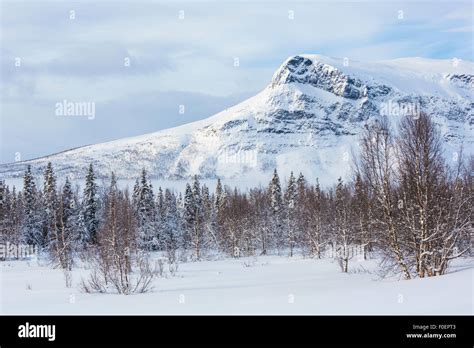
point(309, 119)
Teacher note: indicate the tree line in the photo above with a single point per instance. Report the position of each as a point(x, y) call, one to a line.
point(405, 203)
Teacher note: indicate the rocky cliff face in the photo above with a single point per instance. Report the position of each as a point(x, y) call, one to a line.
point(309, 119)
point(304, 70)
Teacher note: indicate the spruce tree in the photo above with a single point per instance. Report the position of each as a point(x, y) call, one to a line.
point(135, 195)
point(275, 193)
point(170, 226)
point(32, 232)
point(219, 195)
point(16, 217)
point(3, 207)
point(301, 187)
point(197, 239)
point(4, 212)
point(159, 218)
point(276, 210)
point(315, 228)
point(146, 214)
point(69, 204)
point(290, 202)
point(90, 207)
point(49, 203)
point(63, 236)
point(206, 205)
point(3, 189)
point(189, 216)
point(291, 192)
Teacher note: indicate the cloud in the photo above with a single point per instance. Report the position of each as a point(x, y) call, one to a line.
point(466, 29)
point(187, 60)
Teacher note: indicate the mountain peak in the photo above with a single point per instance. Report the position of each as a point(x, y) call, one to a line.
point(310, 70)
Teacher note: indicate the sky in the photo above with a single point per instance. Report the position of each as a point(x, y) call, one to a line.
point(150, 65)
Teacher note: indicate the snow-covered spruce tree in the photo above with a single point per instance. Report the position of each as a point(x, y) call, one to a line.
point(11, 216)
point(32, 225)
point(220, 195)
point(209, 237)
point(197, 233)
point(156, 239)
point(90, 209)
point(49, 203)
point(180, 217)
point(206, 202)
point(188, 216)
point(146, 215)
point(276, 204)
point(195, 219)
point(3, 200)
point(4, 211)
point(171, 228)
point(159, 220)
point(219, 208)
point(63, 238)
point(290, 212)
point(159, 200)
point(15, 216)
point(135, 195)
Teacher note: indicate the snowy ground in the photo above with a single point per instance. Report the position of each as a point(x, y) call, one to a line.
point(263, 285)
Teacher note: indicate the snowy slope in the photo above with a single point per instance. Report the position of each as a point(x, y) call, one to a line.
point(309, 119)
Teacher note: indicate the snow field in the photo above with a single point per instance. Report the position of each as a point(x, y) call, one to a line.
point(262, 285)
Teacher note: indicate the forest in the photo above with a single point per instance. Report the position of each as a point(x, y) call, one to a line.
point(407, 204)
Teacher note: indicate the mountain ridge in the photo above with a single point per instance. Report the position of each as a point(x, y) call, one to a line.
point(308, 118)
